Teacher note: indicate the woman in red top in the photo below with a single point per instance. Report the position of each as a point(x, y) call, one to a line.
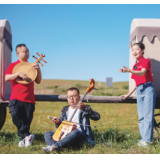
point(146, 96)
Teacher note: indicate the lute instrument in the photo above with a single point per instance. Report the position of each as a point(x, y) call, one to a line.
point(68, 126)
point(27, 68)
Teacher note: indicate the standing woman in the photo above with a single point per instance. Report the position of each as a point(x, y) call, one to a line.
point(146, 96)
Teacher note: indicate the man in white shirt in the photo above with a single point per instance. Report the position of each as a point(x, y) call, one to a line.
point(82, 133)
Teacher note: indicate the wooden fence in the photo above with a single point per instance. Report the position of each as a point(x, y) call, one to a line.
point(63, 98)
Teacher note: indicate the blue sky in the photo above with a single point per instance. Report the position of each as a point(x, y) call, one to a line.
point(80, 41)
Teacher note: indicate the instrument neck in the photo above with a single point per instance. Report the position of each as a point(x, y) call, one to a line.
point(37, 60)
point(81, 100)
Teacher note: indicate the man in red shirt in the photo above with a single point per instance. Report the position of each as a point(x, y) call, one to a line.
point(22, 99)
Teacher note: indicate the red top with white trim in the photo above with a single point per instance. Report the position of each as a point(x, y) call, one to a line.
point(147, 77)
point(21, 92)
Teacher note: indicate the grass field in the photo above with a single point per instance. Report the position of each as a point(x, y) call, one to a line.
point(117, 130)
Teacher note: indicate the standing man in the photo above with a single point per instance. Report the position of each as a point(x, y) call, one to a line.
point(22, 99)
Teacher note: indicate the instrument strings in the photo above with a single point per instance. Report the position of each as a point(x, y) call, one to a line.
point(75, 123)
point(28, 69)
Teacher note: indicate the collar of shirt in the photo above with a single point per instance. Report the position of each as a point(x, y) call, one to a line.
point(140, 61)
point(20, 61)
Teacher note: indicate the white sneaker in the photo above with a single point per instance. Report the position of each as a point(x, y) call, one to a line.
point(29, 139)
point(142, 144)
point(21, 143)
point(48, 149)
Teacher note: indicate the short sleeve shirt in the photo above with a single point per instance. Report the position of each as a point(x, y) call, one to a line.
point(21, 92)
point(147, 77)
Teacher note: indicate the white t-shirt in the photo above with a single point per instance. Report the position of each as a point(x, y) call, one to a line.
point(75, 118)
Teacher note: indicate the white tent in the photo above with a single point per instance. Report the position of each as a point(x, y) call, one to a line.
point(148, 32)
point(5, 57)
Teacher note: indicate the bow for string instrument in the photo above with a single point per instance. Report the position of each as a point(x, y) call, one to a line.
point(68, 126)
point(27, 68)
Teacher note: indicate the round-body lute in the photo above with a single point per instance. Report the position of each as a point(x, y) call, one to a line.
point(26, 68)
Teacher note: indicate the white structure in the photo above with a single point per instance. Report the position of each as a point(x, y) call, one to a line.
point(148, 32)
point(5, 57)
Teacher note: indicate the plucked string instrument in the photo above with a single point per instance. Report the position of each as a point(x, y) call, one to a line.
point(27, 68)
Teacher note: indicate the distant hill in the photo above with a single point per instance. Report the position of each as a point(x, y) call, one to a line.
point(54, 87)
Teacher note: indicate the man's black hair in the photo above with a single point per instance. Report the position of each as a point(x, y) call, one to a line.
point(73, 88)
point(20, 45)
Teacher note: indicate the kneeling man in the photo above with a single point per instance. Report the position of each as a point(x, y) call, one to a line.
point(83, 133)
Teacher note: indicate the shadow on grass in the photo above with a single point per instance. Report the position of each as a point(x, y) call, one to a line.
point(114, 135)
point(13, 137)
point(108, 137)
point(8, 136)
point(39, 137)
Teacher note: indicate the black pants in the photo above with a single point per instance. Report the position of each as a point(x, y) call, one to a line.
point(22, 115)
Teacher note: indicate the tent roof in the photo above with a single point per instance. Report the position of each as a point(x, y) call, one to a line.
point(145, 27)
point(144, 23)
point(5, 24)
point(5, 33)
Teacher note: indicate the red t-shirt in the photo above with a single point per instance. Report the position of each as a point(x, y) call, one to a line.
point(21, 92)
point(147, 77)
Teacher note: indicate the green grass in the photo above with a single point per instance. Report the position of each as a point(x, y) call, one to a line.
point(108, 141)
point(117, 130)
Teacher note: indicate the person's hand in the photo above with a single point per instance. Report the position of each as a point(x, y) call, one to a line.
point(80, 105)
point(124, 69)
point(124, 96)
point(36, 66)
point(55, 120)
point(23, 76)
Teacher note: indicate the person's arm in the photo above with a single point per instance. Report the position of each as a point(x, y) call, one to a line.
point(39, 75)
point(88, 111)
point(139, 73)
point(91, 113)
point(59, 121)
point(10, 77)
point(131, 91)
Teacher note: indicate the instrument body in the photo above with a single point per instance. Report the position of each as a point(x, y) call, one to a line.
point(68, 126)
point(64, 128)
point(31, 73)
point(27, 68)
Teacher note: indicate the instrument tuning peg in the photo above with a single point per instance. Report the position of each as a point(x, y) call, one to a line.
point(44, 61)
point(41, 64)
point(37, 54)
point(43, 55)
